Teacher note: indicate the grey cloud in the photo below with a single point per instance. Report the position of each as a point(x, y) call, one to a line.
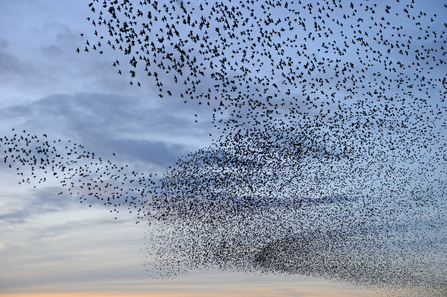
point(65, 34)
point(45, 200)
point(155, 152)
point(52, 51)
point(15, 111)
point(3, 43)
point(109, 123)
point(9, 65)
point(48, 199)
point(17, 217)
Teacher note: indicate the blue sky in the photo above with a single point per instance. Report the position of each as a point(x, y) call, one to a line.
point(54, 244)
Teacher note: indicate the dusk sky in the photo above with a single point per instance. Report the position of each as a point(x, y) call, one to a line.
point(52, 244)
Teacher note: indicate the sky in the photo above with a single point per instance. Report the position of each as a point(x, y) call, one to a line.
point(52, 244)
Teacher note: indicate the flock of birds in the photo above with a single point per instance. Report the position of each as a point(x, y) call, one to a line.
point(331, 157)
point(81, 173)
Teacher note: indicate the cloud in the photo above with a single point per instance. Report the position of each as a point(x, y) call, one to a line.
point(52, 51)
point(17, 217)
point(10, 66)
point(36, 202)
point(109, 123)
point(3, 43)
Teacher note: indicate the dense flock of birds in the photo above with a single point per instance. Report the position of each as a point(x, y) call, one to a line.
point(332, 152)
